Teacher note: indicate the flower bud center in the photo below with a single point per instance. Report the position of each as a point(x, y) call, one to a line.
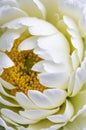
point(21, 75)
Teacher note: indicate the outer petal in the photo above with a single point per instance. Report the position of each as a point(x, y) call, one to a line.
point(9, 2)
point(60, 118)
point(2, 123)
point(80, 78)
point(8, 13)
point(80, 120)
point(51, 7)
point(78, 101)
point(37, 114)
point(75, 36)
point(15, 117)
point(33, 8)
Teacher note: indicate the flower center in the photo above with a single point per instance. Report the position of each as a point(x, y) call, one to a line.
point(21, 75)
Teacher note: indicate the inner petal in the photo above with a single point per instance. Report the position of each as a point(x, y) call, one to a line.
point(21, 75)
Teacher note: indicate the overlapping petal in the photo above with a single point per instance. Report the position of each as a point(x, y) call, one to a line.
point(57, 31)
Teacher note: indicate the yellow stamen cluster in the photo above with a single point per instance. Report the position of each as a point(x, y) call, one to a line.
point(21, 75)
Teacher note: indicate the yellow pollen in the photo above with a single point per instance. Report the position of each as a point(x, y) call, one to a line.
point(21, 75)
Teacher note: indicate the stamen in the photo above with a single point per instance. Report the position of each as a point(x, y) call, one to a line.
point(21, 75)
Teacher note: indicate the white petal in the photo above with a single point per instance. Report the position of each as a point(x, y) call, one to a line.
point(80, 78)
point(54, 80)
point(28, 44)
point(82, 22)
point(14, 116)
point(75, 59)
point(51, 7)
point(40, 99)
point(5, 61)
point(1, 71)
point(24, 101)
point(2, 123)
point(37, 114)
point(7, 103)
point(75, 36)
point(30, 5)
point(7, 40)
point(9, 121)
point(39, 27)
point(8, 13)
point(80, 119)
point(6, 84)
point(59, 118)
point(55, 127)
point(78, 101)
point(40, 125)
point(38, 66)
point(56, 45)
point(4, 92)
point(57, 96)
point(43, 54)
point(40, 7)
point(8, 2)
point(71, 83)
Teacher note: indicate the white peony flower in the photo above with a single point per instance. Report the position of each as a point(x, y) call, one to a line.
point(46, 87)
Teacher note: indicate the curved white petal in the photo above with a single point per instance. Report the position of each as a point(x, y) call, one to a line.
point(80, 78)
point(40, 99)
point(8, 121)
point(50, 67)
point(5, 61)
point(59, 118)
point(33, 8)
point(41, 7)
point(75, 59)
point(37, 114)
point(15, 117)
point(57, 96)
point(78, 101)
point(79, 119)
point(56, 45)
point(24, 101)
point(44, 54)
point(3, 123)
point(54, 80)
point(40, 125)
point(6, 85)
point(7, 39)
point(28, 44)
point(75, 36)
point(8, 13)
point(4, 92)
point(82, 22)
point(39, 27)
point(7, 103)
point(12, 3)
point(51, 7)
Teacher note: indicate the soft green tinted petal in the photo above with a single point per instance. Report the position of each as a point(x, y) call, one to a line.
point(79, 123)
point(78, 101)
point(32, 7)
point(8, 13)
